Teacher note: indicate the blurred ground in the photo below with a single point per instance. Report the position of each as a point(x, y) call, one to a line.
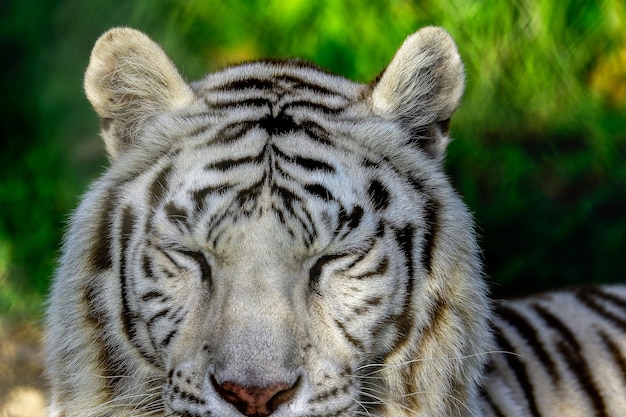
point(21, 382)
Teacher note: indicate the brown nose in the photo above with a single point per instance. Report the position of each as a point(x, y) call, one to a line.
point(255, 401)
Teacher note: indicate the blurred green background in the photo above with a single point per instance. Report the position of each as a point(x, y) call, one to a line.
point(540, 140)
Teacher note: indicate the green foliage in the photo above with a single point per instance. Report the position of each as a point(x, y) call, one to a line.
point(540, 145)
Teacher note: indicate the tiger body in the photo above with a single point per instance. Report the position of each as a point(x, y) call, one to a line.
point(277, 240)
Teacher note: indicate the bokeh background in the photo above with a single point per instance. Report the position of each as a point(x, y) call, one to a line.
point(540, 140)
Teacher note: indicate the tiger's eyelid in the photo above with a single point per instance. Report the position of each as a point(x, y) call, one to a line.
point(322, 260)
point(165, 242)
point(315, 271)
point(205, 264)
point(358, 253)
point(195, 254)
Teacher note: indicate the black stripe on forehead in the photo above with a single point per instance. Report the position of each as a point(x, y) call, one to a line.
point(275, 124)
point(237, 199)
point(313, 164)
point(229, 133)
point(227, 164)
point(288, 204)
point(308, 163)
point(279, 124)
point(315, 132)
point(319, 191)
point(294, 206)
point(234, 103)
point(252, 83)
point(302, 83)
point(313, 106)
point(278, 95)
point(281, 74)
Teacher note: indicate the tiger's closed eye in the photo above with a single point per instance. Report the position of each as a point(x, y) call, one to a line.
point(316, 270)
point(200, 259)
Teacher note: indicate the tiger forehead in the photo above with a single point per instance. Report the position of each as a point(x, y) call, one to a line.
point(276, 97)
point(263, 179)
point(280, 78)
point(272, 139)
point(240, 108)
point(260, 120)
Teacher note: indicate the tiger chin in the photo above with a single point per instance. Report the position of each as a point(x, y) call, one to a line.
point(275, 240)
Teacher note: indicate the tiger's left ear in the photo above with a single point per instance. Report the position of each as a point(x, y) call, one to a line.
point(130, 79)
point(422, 87)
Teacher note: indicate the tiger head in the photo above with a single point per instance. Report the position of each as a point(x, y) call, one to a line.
point(270, 240)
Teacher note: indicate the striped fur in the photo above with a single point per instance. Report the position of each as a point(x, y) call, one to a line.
point(274, 239)
point(570, 355)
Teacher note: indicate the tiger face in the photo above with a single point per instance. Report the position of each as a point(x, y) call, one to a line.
point(270, 240)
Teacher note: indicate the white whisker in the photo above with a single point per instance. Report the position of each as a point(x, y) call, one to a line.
point(378, 400)
point(382, 366)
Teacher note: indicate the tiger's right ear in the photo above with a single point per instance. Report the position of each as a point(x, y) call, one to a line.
point(130, 79)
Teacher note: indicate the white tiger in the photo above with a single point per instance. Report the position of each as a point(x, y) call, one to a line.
point(276, 240)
